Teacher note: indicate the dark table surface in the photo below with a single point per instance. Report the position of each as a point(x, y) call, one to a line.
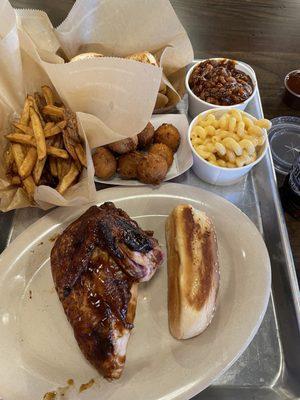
point(263, 33)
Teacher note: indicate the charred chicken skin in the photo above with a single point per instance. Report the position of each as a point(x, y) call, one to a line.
point(96, 265)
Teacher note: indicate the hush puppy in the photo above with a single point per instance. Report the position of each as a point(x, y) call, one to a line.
point(125, 145)
point(145, 137)
point(127, 165)
point(152, 169)
point(164, 151)
point(169, 135)
point(105, 163)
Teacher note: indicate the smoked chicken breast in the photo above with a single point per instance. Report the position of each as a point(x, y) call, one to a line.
point(96, 265)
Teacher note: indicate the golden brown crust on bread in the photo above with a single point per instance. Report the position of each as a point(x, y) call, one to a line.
point(174, 297)
point(144, 57)
point(84, 56)
point(193, 271)
point(198, 263)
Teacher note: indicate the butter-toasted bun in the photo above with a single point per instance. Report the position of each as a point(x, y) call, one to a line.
point(144, 57)
point(83, 56)
point(193, 271)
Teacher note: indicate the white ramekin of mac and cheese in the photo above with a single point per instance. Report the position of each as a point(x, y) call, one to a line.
point(226, 143)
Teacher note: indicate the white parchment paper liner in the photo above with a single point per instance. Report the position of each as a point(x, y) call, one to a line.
point(118, 28)
point(46, 197)
point(120, 98)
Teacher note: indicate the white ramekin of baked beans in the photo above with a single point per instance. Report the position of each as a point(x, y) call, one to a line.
point(219, 82)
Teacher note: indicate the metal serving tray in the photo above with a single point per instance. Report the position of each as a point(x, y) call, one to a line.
point(270, 368)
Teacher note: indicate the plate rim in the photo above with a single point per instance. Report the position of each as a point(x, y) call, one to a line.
point(53, 218)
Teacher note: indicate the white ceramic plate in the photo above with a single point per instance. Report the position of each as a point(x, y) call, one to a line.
point(183, 159)
point(38, 352)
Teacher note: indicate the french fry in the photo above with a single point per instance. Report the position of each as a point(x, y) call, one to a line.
point(38, 133)
point(56, 152)
point(15, 180)
point(78, 164)
point(69, 144)
point(54, 130)
point(23, 128)
point(48, 94)
point(71, 137)
point(14, 168)
point(68, 179)
point(36, 109)
point(21, 138)
point(72, 127)
point(24, 119)
point(29, 186)
point(18, 154)
point(59, 165)
point(35, 140)
point(54, 111)
point(58, 142)
point(28, 163)
point(48, 125)
point(66, 166)
point(53, 161)
point(38, 170)
point(8, 159)
point(53, 166)
point(40, 101)
point(51, 141)
point(81, 154)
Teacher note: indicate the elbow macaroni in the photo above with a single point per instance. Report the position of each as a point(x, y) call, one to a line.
point(232, 144)
point(231, 141)
point(247, 145)
point(220, 148)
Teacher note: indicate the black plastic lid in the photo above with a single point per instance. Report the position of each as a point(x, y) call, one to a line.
point(284, 138)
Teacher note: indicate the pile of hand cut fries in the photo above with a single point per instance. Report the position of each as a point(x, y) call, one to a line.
point(45, 148)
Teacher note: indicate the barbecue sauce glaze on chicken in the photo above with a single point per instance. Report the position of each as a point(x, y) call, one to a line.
point(96, 265)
